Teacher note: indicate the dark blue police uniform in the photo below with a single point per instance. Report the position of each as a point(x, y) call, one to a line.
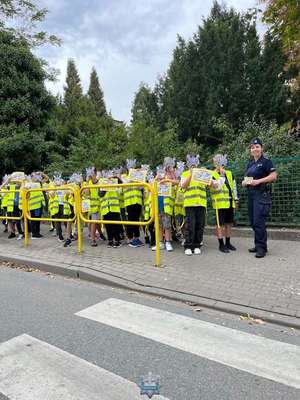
point(259, 201)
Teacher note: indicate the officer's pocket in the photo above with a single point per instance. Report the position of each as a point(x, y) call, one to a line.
point(264, 208)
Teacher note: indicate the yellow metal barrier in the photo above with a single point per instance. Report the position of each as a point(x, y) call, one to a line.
point(28, 217)
point(154, 216)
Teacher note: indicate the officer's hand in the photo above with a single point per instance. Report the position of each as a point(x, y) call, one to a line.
point(255, 182)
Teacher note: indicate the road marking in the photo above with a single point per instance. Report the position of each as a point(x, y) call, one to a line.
point(34, 370)
point(257, 355)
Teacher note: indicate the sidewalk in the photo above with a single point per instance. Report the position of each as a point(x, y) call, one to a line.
point(267, 288)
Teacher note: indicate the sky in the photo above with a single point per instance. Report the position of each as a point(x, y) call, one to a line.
point(127, 41)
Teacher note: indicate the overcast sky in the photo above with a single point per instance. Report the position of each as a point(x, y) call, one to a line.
point(128, 41)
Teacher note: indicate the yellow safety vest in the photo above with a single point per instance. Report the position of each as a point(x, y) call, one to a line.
point(179, 200)
point(110, 202)
point(194, 194)
point(94, 199)
point(220, 198)
point(132, 195)
point(169, 203)
point(10, 201)
point(36, 200)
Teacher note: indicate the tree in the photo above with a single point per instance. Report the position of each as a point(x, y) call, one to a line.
point(72, 90)
point(95, 94)
point(144, 106)
point(25, 106)
point(21, 17)
point(284, 19)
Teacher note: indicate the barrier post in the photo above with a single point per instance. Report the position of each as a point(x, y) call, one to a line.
point(25, 208)
point(156, 225)
point(78, 212)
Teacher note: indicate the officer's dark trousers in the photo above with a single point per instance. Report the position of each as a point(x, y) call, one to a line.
point(194, 226)
point(259, 206)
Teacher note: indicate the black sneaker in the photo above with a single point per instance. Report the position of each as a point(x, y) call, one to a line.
point(67, 243)
point(110, 244)
point(11, 235)
point(223, 248)
point(260, 254)
point(60, 239)
point(252, 250)
point(230, 247)
point(93, 243)
point(117, 244)
point(51, 230)
point(39, 235)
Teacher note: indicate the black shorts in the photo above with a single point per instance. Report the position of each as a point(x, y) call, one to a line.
point(15, 213)
point(226, 216)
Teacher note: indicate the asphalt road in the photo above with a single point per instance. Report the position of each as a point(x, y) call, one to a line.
point(37, 312)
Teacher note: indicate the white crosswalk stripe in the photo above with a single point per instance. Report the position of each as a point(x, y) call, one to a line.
point(34, 370)
point(257, 355)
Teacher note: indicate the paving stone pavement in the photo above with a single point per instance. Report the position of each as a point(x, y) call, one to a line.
point(239, 279)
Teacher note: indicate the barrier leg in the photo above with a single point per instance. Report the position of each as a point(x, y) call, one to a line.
point(156, 226)
point(25, 208)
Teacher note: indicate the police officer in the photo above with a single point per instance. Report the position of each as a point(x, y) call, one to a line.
point(260, 173)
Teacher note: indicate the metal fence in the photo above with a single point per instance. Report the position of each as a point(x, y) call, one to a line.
point(286, 194)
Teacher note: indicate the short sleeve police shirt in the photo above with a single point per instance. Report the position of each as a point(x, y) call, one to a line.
point(259, 169)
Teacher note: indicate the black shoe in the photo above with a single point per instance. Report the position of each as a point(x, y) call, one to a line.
point(253, 250)
point(51, 230)
point(117, 244)
point(67, 243)
point(260, 254)
point(230, 247)
point(11, 236)
point(5, 230)
point(110, 244)
point(93, 243)
point(223, 249)
point(39, 235)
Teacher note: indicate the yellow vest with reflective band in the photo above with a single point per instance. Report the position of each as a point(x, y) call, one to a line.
point(194, 194)
point(11, 198)
point(147, 205)
point(36, 200)
point(53, 205)
point(169, 203)
point(132, 195)
point(110, 202)
point(94, 199)
point(220, 198)
point(179, 200)
point(4, 199)
point(21, 198)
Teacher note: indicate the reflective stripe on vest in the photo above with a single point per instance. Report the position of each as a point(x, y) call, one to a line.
point(220, 198)
point(110, 203)
point(194, 194)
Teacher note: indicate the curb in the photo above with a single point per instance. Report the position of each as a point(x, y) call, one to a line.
point(273, 233)
point(86, 274)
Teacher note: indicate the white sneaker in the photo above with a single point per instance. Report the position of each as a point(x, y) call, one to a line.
point(197, 250)
point(188, 252)
point(169, 246)
point(20, 237)
point(161, 246)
